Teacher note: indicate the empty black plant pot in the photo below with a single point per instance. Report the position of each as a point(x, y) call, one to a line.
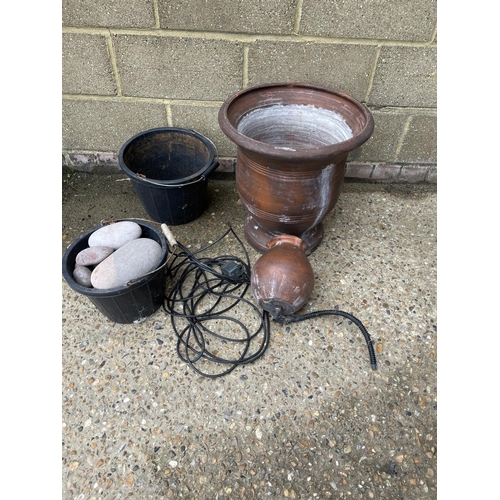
point(169, 169)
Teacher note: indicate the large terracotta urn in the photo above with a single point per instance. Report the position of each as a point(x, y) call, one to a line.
point(293, 140)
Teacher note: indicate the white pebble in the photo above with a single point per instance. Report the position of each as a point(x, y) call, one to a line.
point(92, 256)
point(81, 275)
point(115, 235)
point(130, 261)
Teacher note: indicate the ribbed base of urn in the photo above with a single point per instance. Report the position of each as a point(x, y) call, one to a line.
point(258, 237)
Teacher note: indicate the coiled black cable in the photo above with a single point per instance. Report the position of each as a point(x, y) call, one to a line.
point(203, 294)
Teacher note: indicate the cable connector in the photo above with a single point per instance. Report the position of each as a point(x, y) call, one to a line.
point(232, 270)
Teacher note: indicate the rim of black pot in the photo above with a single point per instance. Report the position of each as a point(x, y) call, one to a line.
point(120, 290)
point(200, 175)
point(312, 152)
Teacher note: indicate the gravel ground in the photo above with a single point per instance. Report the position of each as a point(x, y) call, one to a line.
point(307, 420)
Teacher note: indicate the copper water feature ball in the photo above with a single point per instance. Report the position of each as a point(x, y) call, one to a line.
point(282, 279)
point(293, 140)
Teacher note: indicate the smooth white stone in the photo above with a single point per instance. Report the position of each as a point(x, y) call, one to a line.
point(92, 256)
point(115, 235)
point(81, 275)
point(132, 260)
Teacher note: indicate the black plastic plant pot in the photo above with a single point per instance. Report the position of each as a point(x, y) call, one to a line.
point(169, 168)
point(132, 303)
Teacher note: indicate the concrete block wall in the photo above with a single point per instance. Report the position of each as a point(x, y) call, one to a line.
point(130, 65)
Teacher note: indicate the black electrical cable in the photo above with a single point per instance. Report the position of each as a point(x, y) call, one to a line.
point(350, 317)
point(199, 283)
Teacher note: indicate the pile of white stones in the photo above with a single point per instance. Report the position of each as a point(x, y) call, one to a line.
point(117, 253)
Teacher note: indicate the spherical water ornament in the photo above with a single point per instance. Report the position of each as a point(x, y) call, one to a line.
point(282, 278)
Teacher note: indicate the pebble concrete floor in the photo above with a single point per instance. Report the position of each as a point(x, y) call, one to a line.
point(307, 420)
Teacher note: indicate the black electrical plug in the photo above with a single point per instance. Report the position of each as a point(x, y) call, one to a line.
point(232, 270)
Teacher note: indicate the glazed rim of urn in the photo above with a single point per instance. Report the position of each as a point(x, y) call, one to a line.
point(355, 114)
